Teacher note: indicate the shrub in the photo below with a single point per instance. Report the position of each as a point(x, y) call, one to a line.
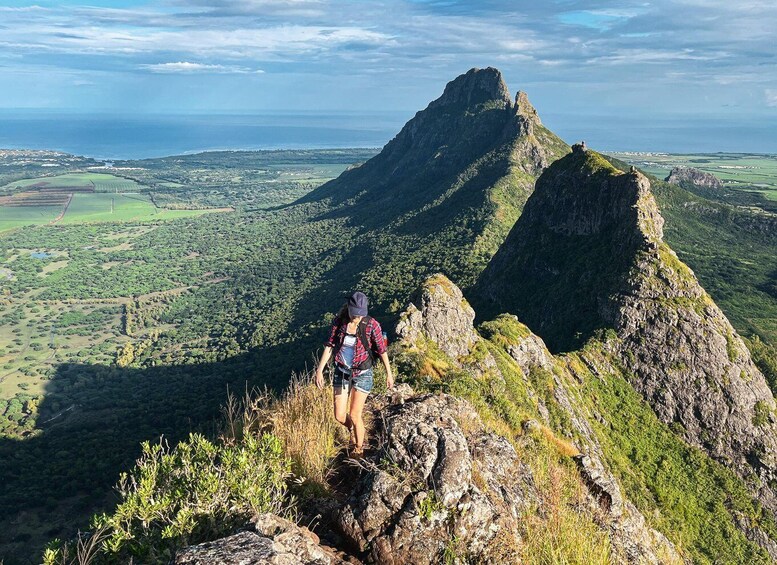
point(194, 492)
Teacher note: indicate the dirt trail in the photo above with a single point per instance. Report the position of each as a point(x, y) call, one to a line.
point(62, 213)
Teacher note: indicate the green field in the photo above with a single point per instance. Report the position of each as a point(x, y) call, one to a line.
point(13, 217)
point(114, 199)
point(106, 207)
point(741, 171)
point(102, 182)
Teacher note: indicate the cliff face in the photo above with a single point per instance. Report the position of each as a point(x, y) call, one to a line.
point(694, 177)
point(588, 257)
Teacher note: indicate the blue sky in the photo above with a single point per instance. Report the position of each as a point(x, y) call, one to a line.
point(579, 58)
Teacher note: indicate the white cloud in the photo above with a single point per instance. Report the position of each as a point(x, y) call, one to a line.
point(771, 97)
point(188, 67)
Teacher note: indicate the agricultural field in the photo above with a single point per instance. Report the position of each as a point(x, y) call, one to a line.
point(106, 207)
point(16, 216)
point(82, 197)
point(739, 171)
point(98, 182)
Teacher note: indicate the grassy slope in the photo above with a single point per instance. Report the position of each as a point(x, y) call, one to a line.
point(681, 491)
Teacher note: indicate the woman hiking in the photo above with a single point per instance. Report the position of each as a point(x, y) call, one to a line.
point(355, 339)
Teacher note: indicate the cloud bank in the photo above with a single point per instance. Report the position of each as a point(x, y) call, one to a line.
point(595, 56)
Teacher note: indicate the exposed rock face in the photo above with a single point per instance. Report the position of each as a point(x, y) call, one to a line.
point(524, 108)
point(695, 177)
point(588, 254)
point(693, 368)
point(478, 86)
point(275, 541)
point(633, 540)
point(440, 484)
point(440, 313)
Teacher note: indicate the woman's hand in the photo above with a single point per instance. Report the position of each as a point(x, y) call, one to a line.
point(321, 364)
point(389, 374)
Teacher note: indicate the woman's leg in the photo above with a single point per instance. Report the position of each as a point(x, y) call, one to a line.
point(341, 407)
point(358, 399)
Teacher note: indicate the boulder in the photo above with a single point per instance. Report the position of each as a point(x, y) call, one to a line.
point(275, 541)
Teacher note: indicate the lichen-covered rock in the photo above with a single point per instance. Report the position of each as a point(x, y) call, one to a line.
point(432, 483)
point(276, 541)
point(694, 369)
point(440, 313)
point(529, 352)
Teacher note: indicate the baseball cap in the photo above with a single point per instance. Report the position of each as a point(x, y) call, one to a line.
point(357, 304)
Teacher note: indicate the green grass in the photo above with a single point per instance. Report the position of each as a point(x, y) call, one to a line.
point(96, 207)
point(17, 216)
point(682, 492)
point(102, 182)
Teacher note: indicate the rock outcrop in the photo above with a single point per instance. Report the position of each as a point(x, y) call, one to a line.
point(274, 540)
point(440, 314)
point(694, 177)
point(438, 477)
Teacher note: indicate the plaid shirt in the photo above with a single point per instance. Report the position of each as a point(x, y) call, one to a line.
point(374, 339)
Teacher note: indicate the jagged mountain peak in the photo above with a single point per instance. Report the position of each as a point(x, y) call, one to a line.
point(476, 86)
point(587, 259)
point(453, 180)
point(524, 108)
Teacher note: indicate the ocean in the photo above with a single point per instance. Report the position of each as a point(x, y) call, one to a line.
point(134, 137)
point(106, 136)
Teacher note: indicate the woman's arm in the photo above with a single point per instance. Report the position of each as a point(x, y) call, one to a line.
point(321, 364)
point(389, 376)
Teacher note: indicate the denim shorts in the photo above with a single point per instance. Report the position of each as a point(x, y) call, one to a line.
point(363, 381)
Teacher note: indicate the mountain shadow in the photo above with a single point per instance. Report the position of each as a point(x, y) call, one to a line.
point(91, 422)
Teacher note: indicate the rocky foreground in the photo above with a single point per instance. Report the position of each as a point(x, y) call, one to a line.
point(438, 484)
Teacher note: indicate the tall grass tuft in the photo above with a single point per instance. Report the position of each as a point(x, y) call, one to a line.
point(561, 529)
point(302, 420)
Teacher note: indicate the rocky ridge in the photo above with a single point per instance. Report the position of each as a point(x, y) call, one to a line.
point(446, 320)
point(594, 233)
